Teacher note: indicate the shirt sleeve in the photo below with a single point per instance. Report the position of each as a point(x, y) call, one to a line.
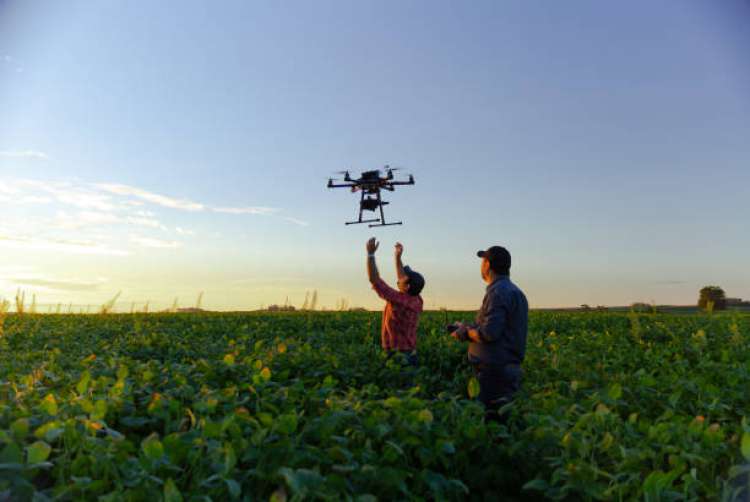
point(386, 292)
point(493, 322)
point(389, 294)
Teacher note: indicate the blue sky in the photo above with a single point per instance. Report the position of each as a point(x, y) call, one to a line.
point(168, 148)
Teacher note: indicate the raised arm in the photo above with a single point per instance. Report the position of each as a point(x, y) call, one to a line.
point(399, 266)
point(372, 268)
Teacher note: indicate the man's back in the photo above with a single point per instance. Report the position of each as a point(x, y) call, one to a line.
point(503, 325)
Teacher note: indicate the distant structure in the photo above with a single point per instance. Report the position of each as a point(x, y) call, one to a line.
point(737, 302)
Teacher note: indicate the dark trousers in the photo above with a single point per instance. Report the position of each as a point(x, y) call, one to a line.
point(497, 386)
point(409, 364)
point(410, 355)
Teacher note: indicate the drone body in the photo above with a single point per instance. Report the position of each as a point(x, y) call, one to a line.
point(370, 183)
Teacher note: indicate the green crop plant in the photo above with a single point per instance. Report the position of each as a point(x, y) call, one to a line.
point(20, 302)
point(305, 406)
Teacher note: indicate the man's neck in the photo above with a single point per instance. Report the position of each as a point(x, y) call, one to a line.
point(493, 277)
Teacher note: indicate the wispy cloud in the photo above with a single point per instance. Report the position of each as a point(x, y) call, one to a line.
point(149, 242)
point(184, 231)
point(301, 223)
point(110, 205)
point(161, 200)
point(24, 154)
point(61, 245)
point(246, 210)
point(11, 62)
point(60, 285)
point(84, 219)
point(69, 194)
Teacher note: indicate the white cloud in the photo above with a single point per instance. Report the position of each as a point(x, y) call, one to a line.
point(24, 154)
point(301, 223)
point(246, 210)
point(59, 245)
point(67, 193)
point(55, 284)
point(112, 204)
point(148, 242)
point(161, 200)
point(183, 231)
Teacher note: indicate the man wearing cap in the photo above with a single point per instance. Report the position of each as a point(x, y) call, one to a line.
point(403, 306)
point(497, 340)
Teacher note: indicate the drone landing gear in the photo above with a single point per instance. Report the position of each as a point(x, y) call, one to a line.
point(371, 204)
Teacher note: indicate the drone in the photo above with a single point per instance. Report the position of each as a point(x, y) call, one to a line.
point(369, 184)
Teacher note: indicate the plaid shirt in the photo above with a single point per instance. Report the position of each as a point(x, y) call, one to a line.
point(400, 317)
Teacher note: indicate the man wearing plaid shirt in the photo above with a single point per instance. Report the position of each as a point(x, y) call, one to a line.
point(403, 306)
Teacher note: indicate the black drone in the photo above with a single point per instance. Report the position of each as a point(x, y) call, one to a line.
point(370, 183)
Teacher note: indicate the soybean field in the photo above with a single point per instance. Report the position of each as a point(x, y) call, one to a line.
point(305, 406)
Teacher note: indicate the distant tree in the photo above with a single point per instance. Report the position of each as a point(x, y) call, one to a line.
point(640, 307)
point(281, 308)
point(712, 298)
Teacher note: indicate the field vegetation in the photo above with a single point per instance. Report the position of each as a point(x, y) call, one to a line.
point(292, 406)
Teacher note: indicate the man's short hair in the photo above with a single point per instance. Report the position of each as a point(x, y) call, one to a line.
point(499, 259)
point(416, 281)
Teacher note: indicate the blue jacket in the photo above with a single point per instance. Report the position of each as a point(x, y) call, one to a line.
point(502, 324)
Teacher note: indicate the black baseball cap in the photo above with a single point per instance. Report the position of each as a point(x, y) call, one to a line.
point(499, 259)
point(416, 281)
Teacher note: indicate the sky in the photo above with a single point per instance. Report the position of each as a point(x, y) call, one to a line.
point(164, 149)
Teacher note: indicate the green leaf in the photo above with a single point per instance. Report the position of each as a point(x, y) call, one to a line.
point(20, 428)
point(745, 445)
point(301, 482)
point(171, 492)
point(265, 418)
point(49, 405)
point(425, 416)
point(83, 383)
point(49, 431)
point(230, 459)
point(392, 402)
point(235, 490)
point(11, 454)
point(287, 424)
point(473, 387)
point(100, 410)
point(229, 359)
point(152, 447)
point(122, 372)
point(615, 391)
point(536, 484)
point(38, 452)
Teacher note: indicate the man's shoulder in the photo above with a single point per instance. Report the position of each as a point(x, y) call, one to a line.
point(506, 291)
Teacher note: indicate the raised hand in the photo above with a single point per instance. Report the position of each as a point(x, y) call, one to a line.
point(399, 249)
point(372, 245)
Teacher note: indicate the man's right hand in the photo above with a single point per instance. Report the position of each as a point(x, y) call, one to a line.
point(399, 249)
point(459, 331)
point(372, 246)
